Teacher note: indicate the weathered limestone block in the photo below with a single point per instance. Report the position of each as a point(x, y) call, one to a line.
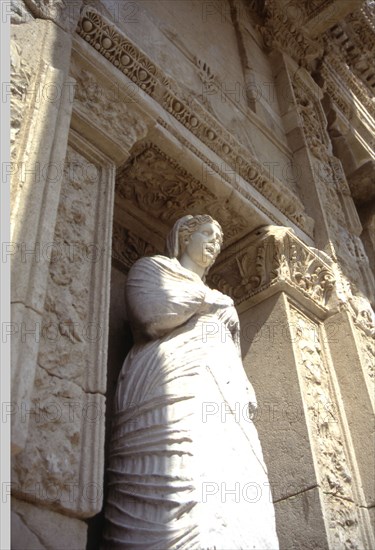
point(34, 528)
point(62, 464)
point(295, 511)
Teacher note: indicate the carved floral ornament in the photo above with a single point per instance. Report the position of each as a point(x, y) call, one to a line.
point(109, 42)
point(327, 435)
point(283, 30)
point(269, 256)
point(157, 185)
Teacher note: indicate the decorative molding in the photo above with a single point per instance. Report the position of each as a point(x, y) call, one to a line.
point(267, 257)
point(349, 35)
point(127, 58)
point(158, 186)
point(116, 118)
point(312, 119)
point(327, 435)
point(334, 64)
point(282, 32)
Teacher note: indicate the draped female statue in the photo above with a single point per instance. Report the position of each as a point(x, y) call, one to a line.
point(186, 469)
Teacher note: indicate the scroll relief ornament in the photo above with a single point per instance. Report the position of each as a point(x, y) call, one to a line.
point(282, 31)
point(326, 433)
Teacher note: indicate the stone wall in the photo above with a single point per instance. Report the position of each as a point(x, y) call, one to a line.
point(127, 115)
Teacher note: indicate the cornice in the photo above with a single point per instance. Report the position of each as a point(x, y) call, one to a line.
point(109, 42)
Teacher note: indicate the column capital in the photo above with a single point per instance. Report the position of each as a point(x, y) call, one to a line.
point(271, 259)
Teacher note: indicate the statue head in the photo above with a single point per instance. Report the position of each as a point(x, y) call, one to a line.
point(180, 239)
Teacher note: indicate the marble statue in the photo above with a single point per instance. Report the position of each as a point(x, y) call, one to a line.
point(186, 469)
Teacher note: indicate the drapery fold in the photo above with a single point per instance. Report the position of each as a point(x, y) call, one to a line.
point(181, 433)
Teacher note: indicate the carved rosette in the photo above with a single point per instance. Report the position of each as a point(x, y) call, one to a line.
point(268, 257)
point(326, 435)
point(102, 35)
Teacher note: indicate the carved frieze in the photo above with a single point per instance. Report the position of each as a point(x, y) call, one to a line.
point(106, 109)
point(267, 257)
point(127, 58)
point(334, 65)
point(327, 436)
point(283, 30)
point(349, 35)
point(157, 185)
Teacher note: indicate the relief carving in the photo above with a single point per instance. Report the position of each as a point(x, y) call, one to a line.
point(67, 409)
point(157, 184)
point(312, 120)
point(337, 65)
point(20, 74)
point(107, 109)
point(350, 34)
point(326, 433)
point(281, 31)
point(127, 247)
point(269, 256)
point(126, 57)
point(364, 322)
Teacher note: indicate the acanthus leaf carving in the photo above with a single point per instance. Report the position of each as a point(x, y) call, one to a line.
point(127, 247)
point(267, 257)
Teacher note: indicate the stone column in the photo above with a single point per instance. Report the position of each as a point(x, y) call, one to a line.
point(285, 294)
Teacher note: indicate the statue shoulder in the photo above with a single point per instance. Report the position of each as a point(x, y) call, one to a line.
point(152, 263)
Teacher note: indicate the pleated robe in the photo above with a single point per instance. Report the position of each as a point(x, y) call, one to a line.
point(186, 469)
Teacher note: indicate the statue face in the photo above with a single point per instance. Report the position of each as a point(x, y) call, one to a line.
point(203, 245)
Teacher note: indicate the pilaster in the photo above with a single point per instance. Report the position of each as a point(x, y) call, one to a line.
point(307, 371)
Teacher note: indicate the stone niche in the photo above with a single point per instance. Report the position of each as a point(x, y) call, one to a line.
point(138, 150)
